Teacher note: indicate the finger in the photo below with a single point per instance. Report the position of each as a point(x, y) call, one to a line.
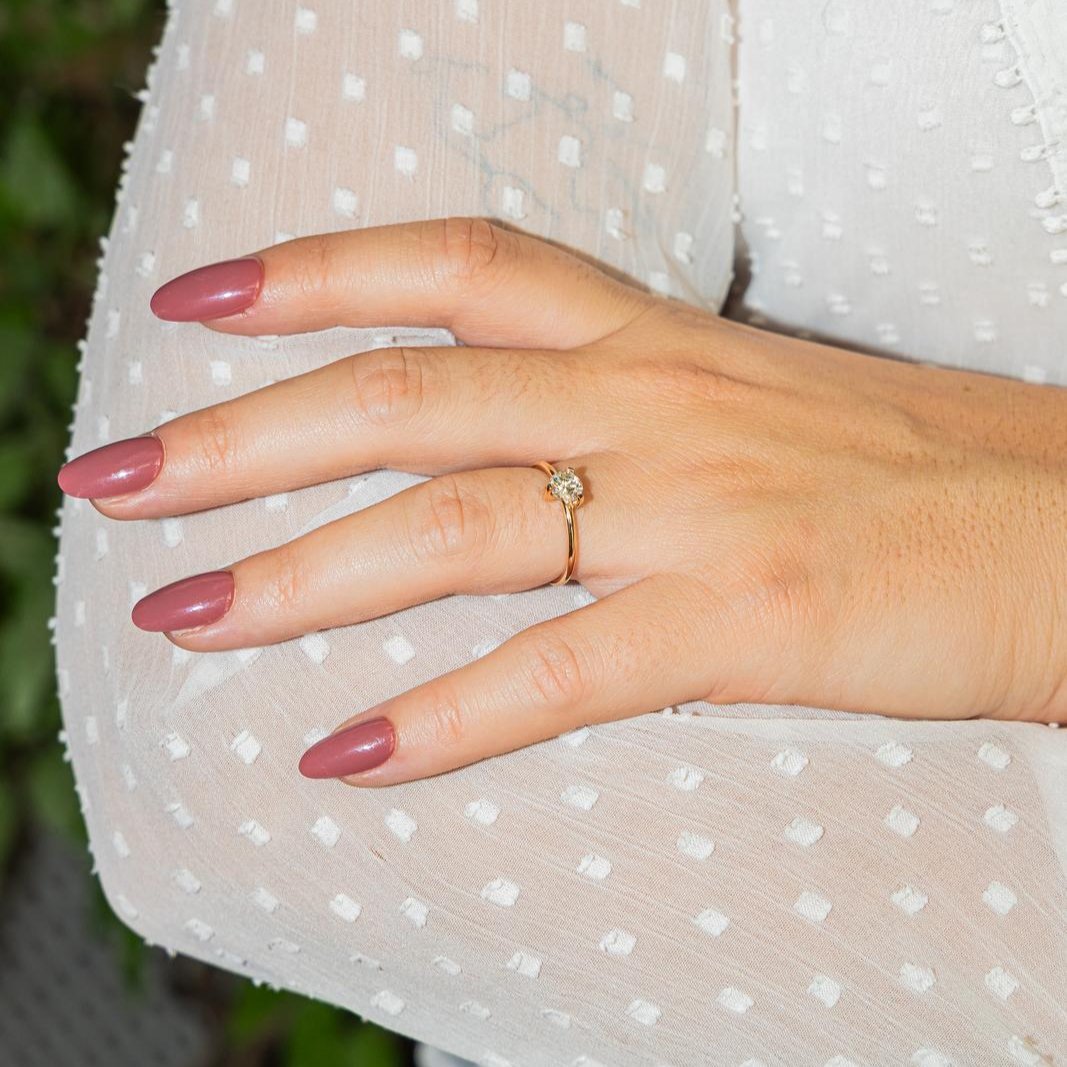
point(424, 410)
point(634, 651)
point(483, 531)
point(487, 283)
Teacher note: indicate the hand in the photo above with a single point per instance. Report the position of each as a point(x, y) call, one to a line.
point(767, 519)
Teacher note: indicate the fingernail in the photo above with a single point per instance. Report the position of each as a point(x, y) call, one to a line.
point(121, 467)
point(356, 748)
point(210, 292)
point(196, 601)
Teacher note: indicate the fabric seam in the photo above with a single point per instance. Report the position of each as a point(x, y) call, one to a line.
point(1035, 28)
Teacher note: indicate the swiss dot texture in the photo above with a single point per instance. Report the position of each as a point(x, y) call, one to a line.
point(781, 885)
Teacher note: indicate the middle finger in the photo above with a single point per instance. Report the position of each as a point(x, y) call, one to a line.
point(420, 409)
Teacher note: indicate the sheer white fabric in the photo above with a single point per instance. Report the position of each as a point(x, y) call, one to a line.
point(744, 885)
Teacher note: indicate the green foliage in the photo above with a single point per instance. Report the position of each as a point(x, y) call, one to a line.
point(69, 70)
point(50, 788)
point(28, 710)
point(35, 182)
point(7, 819)
point(69, 74)
point(322, 1034)
point(309, 1033)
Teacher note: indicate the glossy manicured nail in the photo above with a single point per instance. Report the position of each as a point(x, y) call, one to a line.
point(121, 467)
point(356, 748)
point(196, 601)
point(210, 292)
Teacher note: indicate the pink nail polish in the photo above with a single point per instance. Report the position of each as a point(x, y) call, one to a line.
point(210, 292)
point(356, 748)
point(196, 601)
point(122, 467)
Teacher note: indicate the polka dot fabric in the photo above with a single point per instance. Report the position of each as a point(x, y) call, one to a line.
point(904, 179)
point(749, 885)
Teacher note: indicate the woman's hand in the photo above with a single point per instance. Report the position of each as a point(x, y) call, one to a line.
point(767, 519)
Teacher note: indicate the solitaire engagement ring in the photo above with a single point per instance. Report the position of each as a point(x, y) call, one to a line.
point(566, 487)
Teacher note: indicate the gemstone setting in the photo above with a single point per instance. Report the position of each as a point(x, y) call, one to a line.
point(566, 486)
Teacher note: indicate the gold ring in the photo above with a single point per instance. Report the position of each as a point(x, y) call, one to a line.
point(566, 487)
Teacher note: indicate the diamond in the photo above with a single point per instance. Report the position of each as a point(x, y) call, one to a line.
point(566, 487)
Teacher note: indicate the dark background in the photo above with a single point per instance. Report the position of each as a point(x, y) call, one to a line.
point(77, 987)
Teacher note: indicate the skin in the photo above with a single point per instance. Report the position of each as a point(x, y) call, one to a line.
point(767, 519)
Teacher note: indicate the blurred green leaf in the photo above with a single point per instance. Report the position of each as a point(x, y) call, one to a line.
point(51, 790)
point(26, 549)
point(34, 180)
point(134, 960)
point(317, 1037)
point(25, 693)
point(374, 1047)
point(127, 11)
point(316, 1034)
point(16, 342)
point(255, 1010)
point(323, 1034)
point(27, 676)
point(16, 471)
point(58, 365)
point(8, 821)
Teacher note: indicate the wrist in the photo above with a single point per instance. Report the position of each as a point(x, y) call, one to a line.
point(1042, 524)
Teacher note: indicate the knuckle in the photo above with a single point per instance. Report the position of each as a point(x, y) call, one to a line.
point(739, 483)
point(388, 385)
point(776, 591)
point(470, 250)
point(685, 381)
point(726, 687)
point(314, 267)
point(445, 720)
point(217, 446)
point(452, 520)
point(287, 586)
point(554, 669)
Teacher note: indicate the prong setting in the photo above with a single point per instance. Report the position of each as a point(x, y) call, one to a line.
point(566, 486)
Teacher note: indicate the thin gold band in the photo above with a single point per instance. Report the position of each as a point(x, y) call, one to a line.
point(568, 511)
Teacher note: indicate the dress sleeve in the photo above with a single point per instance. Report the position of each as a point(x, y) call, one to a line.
point(744, 885)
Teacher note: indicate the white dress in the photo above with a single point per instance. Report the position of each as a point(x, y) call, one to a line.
point(723, 885)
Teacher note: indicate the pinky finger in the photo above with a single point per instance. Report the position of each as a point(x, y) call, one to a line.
point(633, 651)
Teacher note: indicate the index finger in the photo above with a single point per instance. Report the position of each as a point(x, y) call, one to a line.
point(488, 284)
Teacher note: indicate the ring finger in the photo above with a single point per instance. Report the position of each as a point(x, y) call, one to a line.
point(488, 530)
